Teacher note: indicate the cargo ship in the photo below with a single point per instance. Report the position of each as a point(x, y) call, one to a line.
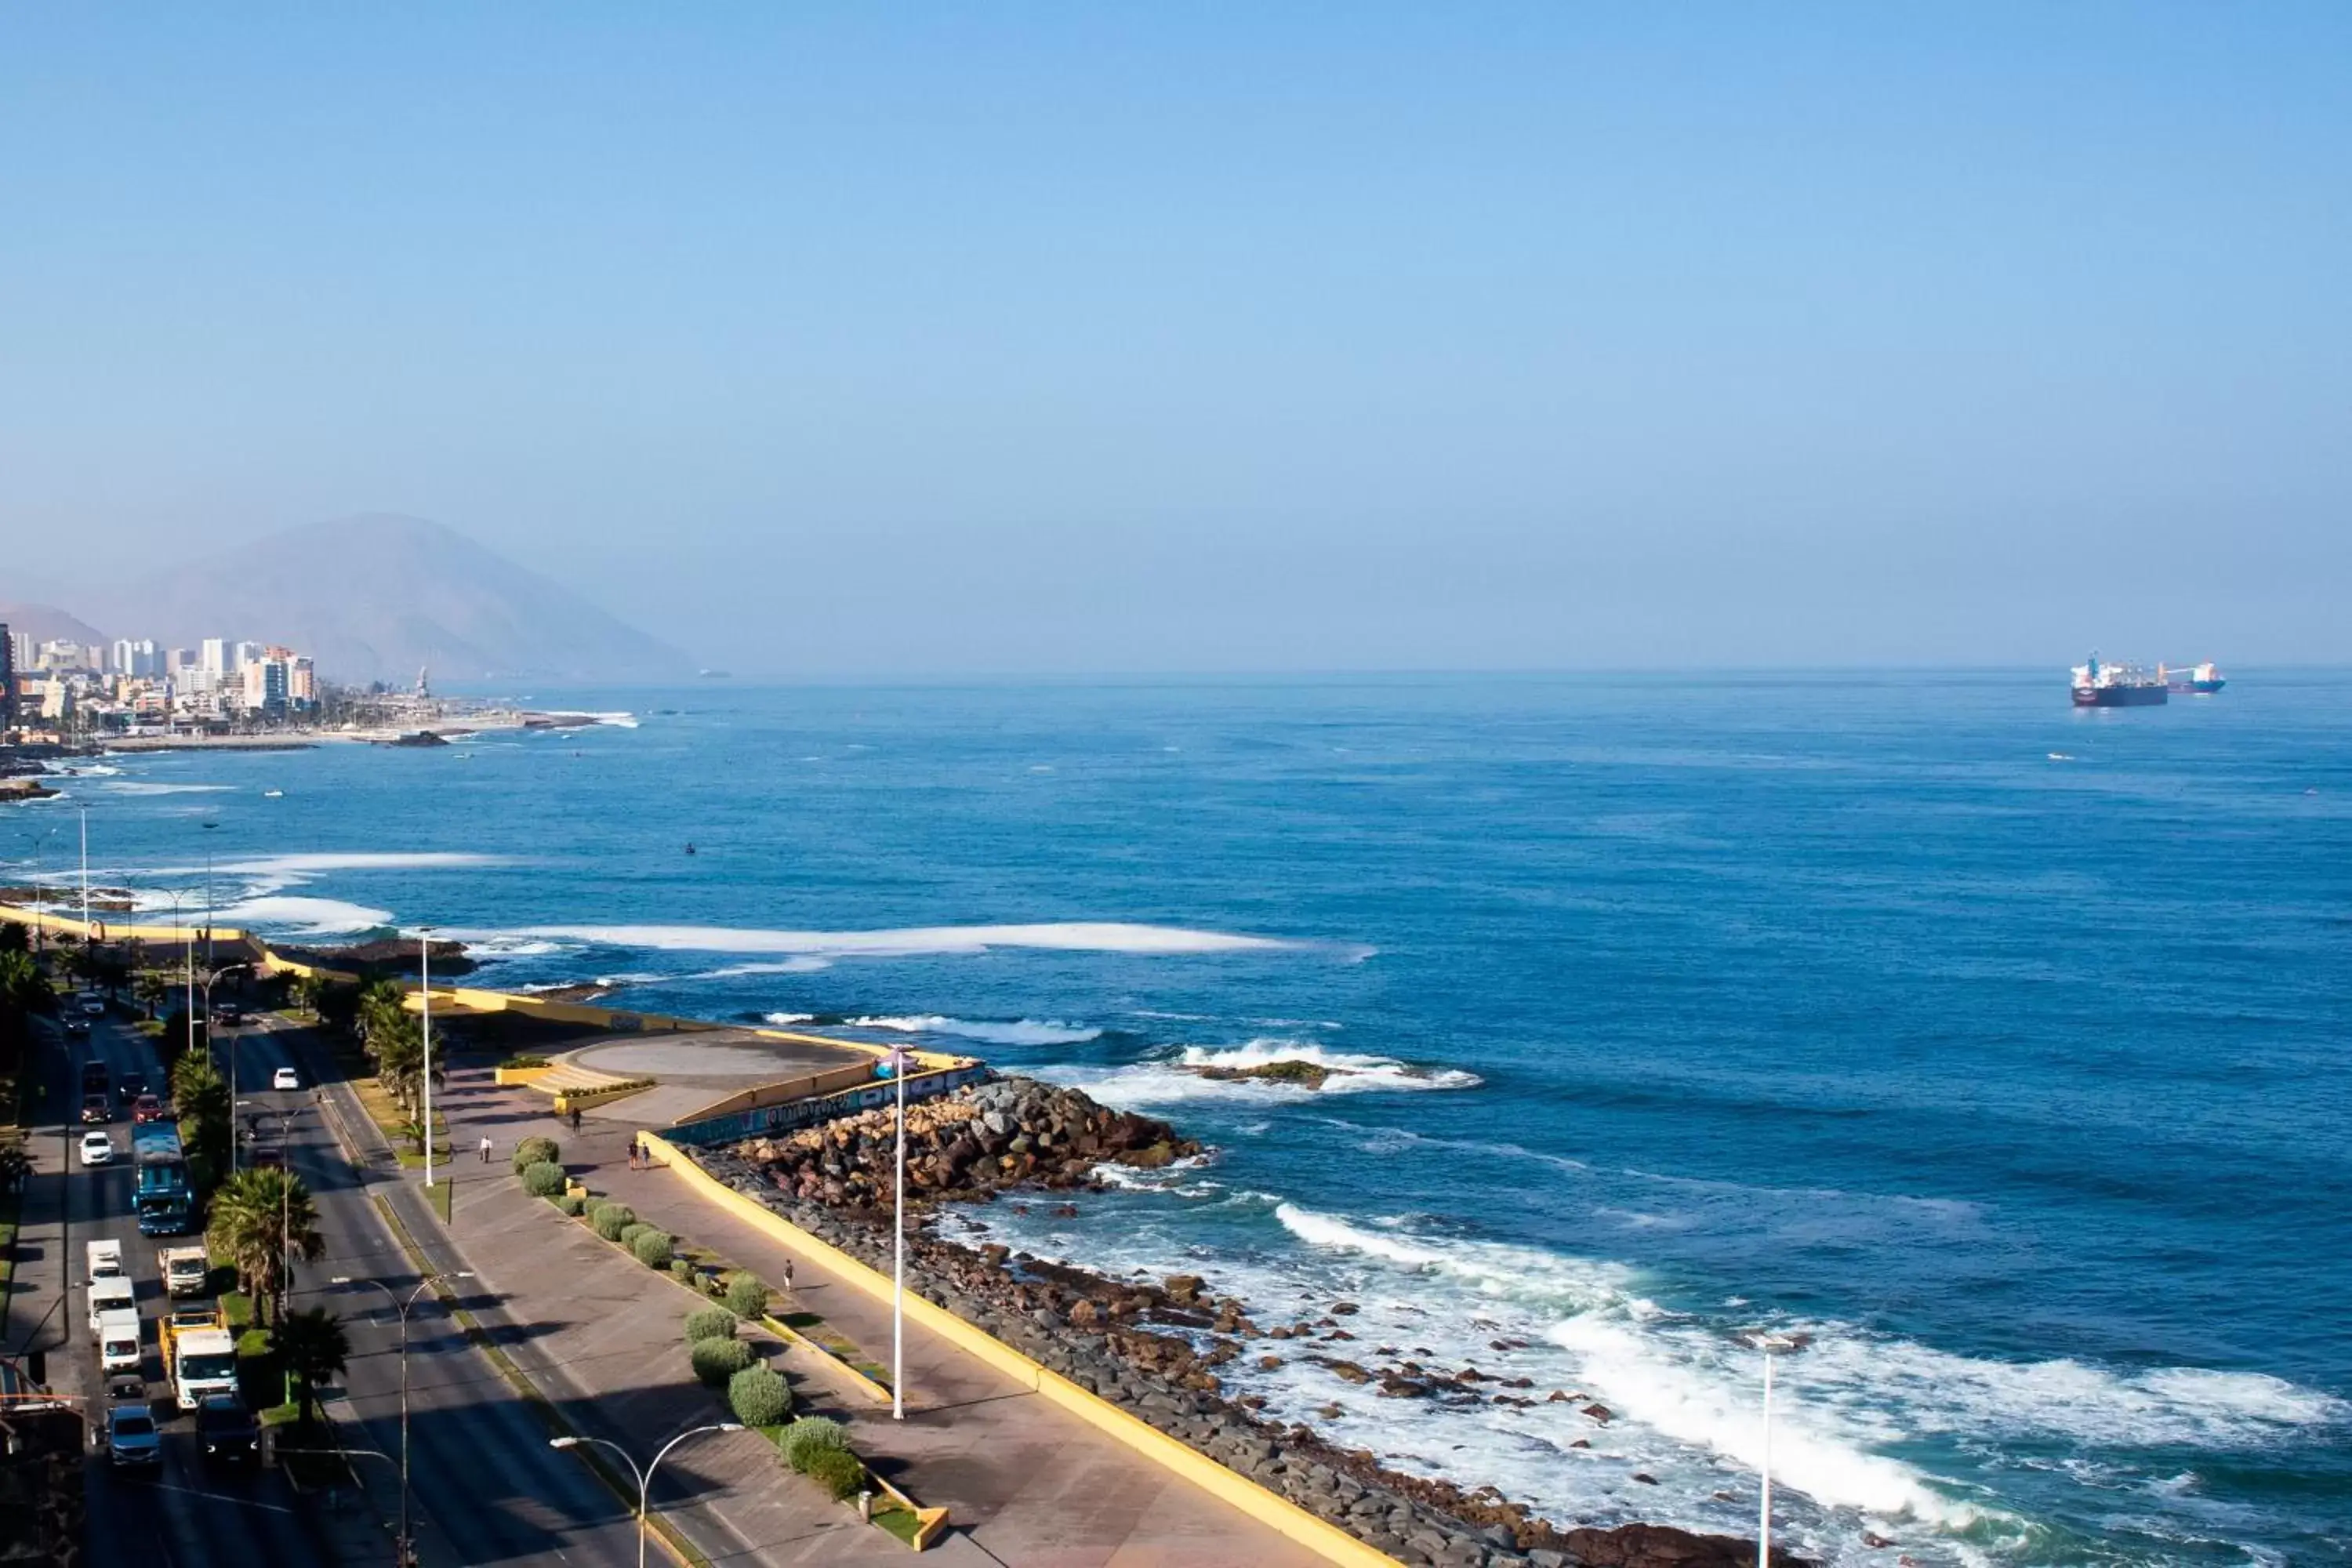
point(2203, 680)
point(2100, 685)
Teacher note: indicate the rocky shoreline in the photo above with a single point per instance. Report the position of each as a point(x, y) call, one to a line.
point(1154, 1349)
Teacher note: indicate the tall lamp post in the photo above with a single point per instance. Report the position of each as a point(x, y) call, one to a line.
point(216, 975)
point(424, 1000)
point(38, 928)
point(208, 896)
point(646, 1477)
point(898, 1060)
point(406, 1546)
point(1774, 1346)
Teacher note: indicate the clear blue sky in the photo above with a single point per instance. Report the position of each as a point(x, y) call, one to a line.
point(1004, 337)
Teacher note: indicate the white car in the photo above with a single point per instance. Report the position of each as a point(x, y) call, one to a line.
point(93, 1007)
point(97, 1149)
point(285, 1078)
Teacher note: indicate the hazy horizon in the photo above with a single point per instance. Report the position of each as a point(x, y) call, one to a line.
point(836, 345)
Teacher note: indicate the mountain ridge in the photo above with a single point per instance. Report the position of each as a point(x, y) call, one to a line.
point(378, 596)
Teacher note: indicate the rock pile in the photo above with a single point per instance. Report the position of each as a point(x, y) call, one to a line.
point(1154, 1349)
point(1013, 1131)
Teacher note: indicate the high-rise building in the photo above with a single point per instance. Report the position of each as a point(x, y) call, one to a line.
point(215, 655)
point(8, 678)
point(135, 658)
point(264, 685)
point(301, 682)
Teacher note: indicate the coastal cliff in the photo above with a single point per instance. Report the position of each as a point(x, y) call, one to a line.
point(1154, 1349)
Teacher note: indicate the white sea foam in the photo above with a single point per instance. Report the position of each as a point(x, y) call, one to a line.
point(785, 1020)
point(301, 917)
point(994, 1032)
point(806, 964)
point(141, 788)
point(1170, 1081)
point(1076, 936)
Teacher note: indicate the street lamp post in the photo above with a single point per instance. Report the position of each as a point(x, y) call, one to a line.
point(210, 980)
point(424, 1000)
point(208, 905)
point(645, 1476)
point(898, 1060)
point(1774, 1346)
point(406, 1546)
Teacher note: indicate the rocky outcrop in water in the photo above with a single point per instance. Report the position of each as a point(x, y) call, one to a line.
point(1013, 1132)
point(1155, 1349)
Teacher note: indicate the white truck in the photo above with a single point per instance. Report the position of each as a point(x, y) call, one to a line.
point(204, 1360)
point(113, 1294)
point(187, 1271)
point(119, 1347)
point(105, 1260)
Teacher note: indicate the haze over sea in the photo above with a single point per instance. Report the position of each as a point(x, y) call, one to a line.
point(1997, 1047)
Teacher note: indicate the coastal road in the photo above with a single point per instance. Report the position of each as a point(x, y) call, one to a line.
point(191, 1514)
point(485, 1487)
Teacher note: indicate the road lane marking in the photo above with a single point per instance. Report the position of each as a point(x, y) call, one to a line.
point(220, 1497)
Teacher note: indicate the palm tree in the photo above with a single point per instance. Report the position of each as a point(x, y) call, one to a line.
point(304, 992)
point(314, 1348)
point(261, 1221)
point(151, 989)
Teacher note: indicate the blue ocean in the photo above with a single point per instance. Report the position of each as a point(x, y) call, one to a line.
point(1995, 1050)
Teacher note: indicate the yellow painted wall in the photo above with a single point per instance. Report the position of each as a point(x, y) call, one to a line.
point(1279, 1514)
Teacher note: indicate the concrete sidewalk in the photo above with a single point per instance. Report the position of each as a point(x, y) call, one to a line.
point(1028, 1483)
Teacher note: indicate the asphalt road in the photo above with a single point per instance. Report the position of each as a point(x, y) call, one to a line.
point(484, 1487)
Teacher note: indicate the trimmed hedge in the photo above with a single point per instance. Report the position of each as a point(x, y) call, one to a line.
point(544, 1180)
point(838, 1471)
point(524, 1060)
point(812, 1435)
point(716, 1361)
point(683, 1270)
point(747, 1297)
point(571, 1203)
point(533, 1151)
point(653, 1248)
point(610, 1219)
point(709, 1323)
point(758, 1397)
point(631, 1231)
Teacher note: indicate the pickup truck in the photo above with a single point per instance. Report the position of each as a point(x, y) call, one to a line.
point(119, 1348)
point(105, 1260)
point(115, 1293)
point(186, 1271)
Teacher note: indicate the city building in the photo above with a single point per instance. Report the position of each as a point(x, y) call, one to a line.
point(8, 678)
point(215, 657)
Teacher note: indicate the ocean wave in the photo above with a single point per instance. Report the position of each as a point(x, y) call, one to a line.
point(1351, 1072)
point(785, 1020)
point(994, 1032)
point(509, 947)
point(1076, 936)
point(141, 788)
point(1169, 1081)
point(301, 917)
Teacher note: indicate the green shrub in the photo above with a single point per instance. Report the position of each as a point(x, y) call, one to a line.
point(709, 1323)
point(838, 1471)
point(533, 1151)
point(524, 1060)
point(683, 1270)
point(716, 1361)
point(813, 1435)
point(653, 1248)
point(610, 1219)
point(543, 1180)
point(570, 1203)
point(758, 1397)
point(747, 1297)
point(630, 1232)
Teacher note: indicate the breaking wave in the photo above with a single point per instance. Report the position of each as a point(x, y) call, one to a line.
point(1076, 936)
point(1174, 1079)
point(994, 1032)
point(301, 917)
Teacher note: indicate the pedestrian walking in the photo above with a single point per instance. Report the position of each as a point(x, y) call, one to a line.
point(575, 1119)
point(788, 1276)
point(486, 1148)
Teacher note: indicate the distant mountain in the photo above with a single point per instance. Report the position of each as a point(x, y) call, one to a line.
point(44, 623)
point(378, 596)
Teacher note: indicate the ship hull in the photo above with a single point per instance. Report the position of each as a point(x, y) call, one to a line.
point(2200, 688)
point(2119, 696)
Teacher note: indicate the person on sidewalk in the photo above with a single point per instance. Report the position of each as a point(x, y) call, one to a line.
point(575, 1119)
point(788, 1276)
point(486, 1148)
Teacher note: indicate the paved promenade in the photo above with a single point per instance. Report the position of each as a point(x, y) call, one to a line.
point(1028, 1483)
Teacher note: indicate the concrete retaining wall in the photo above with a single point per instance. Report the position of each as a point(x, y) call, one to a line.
point(767, 1120)
point(1279, 1514)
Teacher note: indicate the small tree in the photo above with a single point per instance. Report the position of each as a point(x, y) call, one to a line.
point(758, 1397)
point(747, 1296)
point(709, 1323)
point(315, 1348)
point(716, 1361)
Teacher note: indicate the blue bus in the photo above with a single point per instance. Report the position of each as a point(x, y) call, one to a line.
point(162, 1196)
